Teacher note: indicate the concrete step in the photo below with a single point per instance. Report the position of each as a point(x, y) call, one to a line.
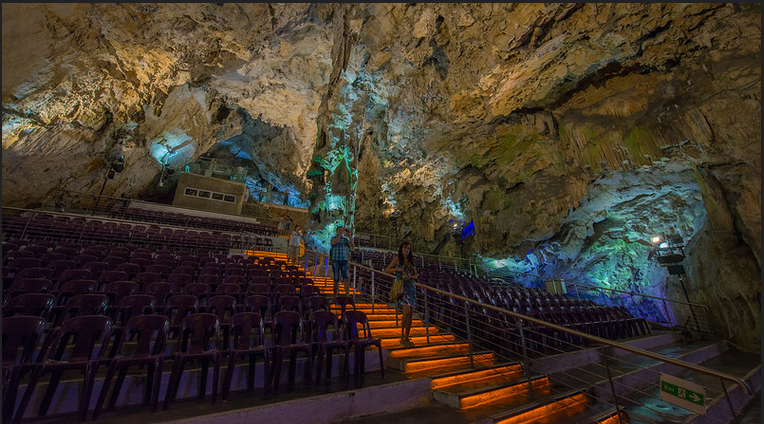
point(394, 342)
point(558, 408)
point(498, 391)
point(441, 363)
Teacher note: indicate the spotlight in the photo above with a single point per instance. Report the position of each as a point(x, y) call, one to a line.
point(110, 174)
point(656, 239)
point(118, 164)
point(663, 245)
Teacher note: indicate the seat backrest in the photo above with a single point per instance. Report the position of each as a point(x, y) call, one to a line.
point(308, 290)
point(30, 285)
point(228, 288)
point(110, 276)
point(284, 289)
point(246, 331)
point(134, 305)
point(284, 281)
point(343, 302)
point(263, 289)
point(34, 272)
point(21, 337)
point(75, 274)
point(75, 287)
point(289, 302)
point(356, 325)
point(77, 337)
point(179, 279)
point(321, 321)
point(197, 289)
point(179, 306)
point(149, 334)
point(240, 280)
point(86, 304)
point(147, 277)
point(224, 306)
point(317, 303)
point(161, 290)
point(120, 289)
point(199, 333)
point(259, 303)
point(287, 328)
point(36, 304)
point(183, 269)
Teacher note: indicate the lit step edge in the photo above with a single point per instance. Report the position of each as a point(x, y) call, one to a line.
point(443, 361)
point(460, 377)
point(530, 412)
point(490, 394)
point(429, 350)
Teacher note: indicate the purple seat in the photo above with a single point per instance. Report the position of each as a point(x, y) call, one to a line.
point(81, 304)
point(29, 285)
point(145, 278)
point(21, 341)
point(308, 290)
point(107, 277)
point(32, 304)
point(149, 333)
point(198, 341)
point(96, 267)
point(134, 305)
point(239, 280)
point(78, 336)
point(326, 337)
point(74, 287)
point(260, 279)
point(162, 270)
point(18, 264)
point(258, 303)
point(34, 272)
point(358, 332)
point(247, 339)
point(179, 280)
point(81, 259)
point(116, 290)
point(224, 306)
point(184, 269)
point(74, 274)
point(177, 307)
point(161, 290)
point(289, 338)
point(113, 261)
point(49, 257)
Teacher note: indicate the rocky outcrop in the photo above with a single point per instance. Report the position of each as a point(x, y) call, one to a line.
point(566, 133)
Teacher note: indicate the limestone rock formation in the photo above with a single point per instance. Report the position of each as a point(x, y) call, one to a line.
point(567, 134)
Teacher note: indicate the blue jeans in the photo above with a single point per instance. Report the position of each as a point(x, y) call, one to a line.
point(340, 270)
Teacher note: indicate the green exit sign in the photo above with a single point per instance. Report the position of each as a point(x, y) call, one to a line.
point(683, 393)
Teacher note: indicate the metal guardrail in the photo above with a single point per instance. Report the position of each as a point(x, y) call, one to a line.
point(624, 376)
point(689, 316)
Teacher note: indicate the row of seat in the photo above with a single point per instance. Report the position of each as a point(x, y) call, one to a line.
point(81, 343)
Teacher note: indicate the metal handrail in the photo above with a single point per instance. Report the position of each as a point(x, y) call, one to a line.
point(637, 351)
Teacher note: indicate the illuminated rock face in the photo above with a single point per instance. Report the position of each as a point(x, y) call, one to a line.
point(566, 133)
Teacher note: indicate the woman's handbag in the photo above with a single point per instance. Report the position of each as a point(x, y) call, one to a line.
point(396, 291)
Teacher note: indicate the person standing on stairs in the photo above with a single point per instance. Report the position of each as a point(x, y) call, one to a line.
point(342, 245)
point(403, 268)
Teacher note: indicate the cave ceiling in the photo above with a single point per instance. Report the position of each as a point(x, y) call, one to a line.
point(565, 133)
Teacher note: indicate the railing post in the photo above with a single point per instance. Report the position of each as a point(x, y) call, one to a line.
point(26, 226)
point(526, 363)
point(355, 268)
point(603, 351)
point(372, 292)
point(469, 333)
point(729, 402)
point(426, 317)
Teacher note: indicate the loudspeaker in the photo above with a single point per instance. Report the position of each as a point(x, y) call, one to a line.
point(671, 258)
point(676, 269)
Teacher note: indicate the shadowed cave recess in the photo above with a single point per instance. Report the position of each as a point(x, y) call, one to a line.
point(546, 139)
